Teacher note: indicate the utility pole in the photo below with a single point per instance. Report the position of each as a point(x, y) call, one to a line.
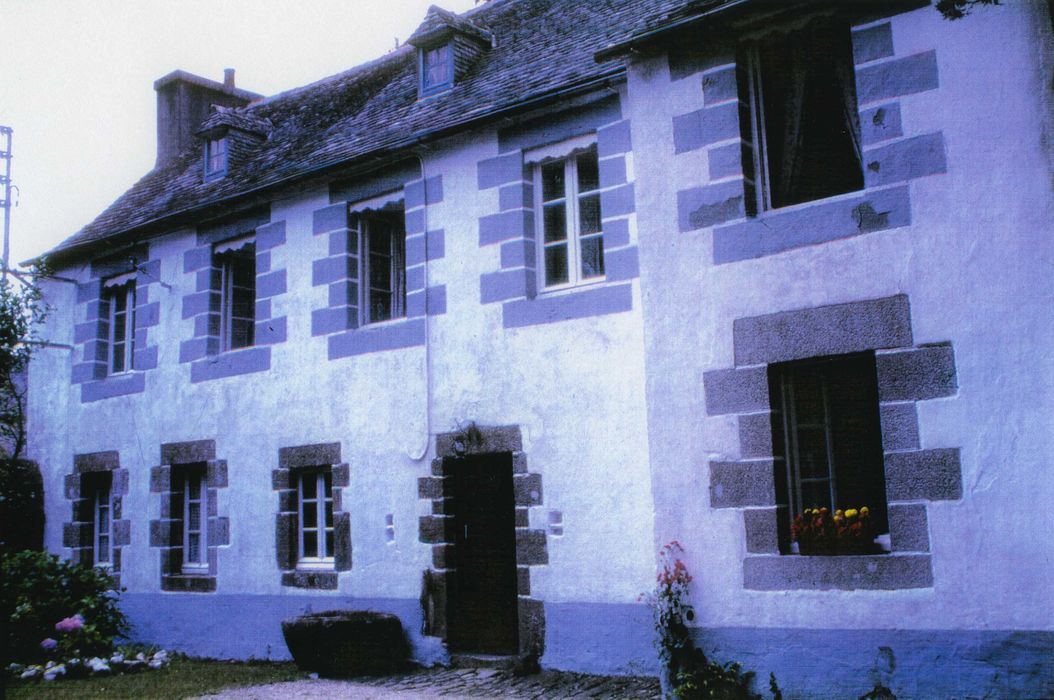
point(5, 180)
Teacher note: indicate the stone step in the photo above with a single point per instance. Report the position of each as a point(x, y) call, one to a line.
point(489, 661)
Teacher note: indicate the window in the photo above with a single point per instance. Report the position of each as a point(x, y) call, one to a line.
point(194, 532)
point(831, 435)
point(315, 496)
point(102, 527)
point(572, 242)
point(437, 69)
point(803, 118)
point(384, 266)
point(237, 262)
point(215, 158)
point(120, 301)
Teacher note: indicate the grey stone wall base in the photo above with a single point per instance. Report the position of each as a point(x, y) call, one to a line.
point(916, 374)
point(934, 475)
point(188, 452)
point(478, 439)
point(909, 527)
point(189, 584)
point(744, 390)
point(318, 455)
point(321, 580)
point(762, 529)
point(872, 572)
point(96, 462)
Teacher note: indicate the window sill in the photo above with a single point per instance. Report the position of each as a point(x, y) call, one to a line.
point(122, 384)
point(559, 290)
point(189, 583)
point(312, 579)
point(841, 572)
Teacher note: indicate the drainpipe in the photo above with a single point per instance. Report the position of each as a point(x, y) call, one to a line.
point(428, 338)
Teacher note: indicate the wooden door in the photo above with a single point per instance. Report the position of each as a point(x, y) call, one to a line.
point(483, 606)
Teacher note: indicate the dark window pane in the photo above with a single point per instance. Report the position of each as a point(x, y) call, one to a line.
point(589, 214)
point(812, 452)
point(244, 268)
point(194, 548)
point(118, 357)
point(380, 306)
point(588, 171)
point(552, 181)
point(555, 222)
point(242, 333)
point(556, 265)
point(327, 480)
point(310, 514)
point(593, 256)
point(329, 515)
point(816, 494)
point(310, 490)
point(380, 272)
point(311, 544)
point(329, 543)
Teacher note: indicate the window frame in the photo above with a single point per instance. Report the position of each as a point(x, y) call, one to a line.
point(191, 476)
point(426, 87)
point(396, 253)
point(572, 220)
point(226, 261)
point(325, 534)
point(786, 376)
point(102, 498)
point(126, 291)
point(216, 150)
point(750, 54)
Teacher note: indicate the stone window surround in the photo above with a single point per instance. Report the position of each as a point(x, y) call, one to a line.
point(891, 158)
point(291, 461)
point(166, 533)
point(437, 530)
point(515, 283)
point(341, 319)
point(78, 532)
point(202, 352)
point(907, 373)
point(93, 335)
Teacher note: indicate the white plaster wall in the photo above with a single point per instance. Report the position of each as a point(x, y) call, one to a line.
point(576, 388)
point(977, 265)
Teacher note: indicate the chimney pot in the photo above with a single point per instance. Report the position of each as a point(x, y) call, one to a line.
point(228, 77)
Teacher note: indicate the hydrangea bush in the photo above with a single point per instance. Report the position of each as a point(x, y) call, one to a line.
point(54, 609)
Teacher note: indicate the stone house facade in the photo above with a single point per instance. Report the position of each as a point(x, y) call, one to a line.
point(467, 333)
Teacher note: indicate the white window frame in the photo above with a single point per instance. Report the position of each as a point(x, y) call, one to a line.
point(324, 532)
point(102, 542)
point(127, 291)
point(191, 478)
point(398, 304)
point(428, 87)
point(216, 157)
point(571, 198)
point(226, 254)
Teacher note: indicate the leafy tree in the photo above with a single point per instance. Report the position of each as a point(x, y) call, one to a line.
point(957, 9)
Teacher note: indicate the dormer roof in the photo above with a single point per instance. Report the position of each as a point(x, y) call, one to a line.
point(440, 25)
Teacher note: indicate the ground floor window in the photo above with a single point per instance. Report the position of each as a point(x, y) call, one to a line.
point(195, 560)
point(315, 496)
point(102, 532)
point(827, 412)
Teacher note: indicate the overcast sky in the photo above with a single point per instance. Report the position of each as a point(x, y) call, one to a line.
point(76, 83)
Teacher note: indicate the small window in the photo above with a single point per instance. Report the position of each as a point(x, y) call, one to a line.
point(102, 533)
point(571, 247)
point(194, 543)
point(215, 158)
point(237, 263)
point(804, 123)
point(315, 496)
point(384, 266)
point(120, 301)
point(831, 435)
point(437, 69)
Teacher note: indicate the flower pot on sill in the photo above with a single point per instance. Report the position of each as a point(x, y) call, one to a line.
point(344, 643)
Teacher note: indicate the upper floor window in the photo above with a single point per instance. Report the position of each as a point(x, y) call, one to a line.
point(119, 293)
point(215, 157)
point(804, 123)
point(437, 68)
point(383, 287)
point(237, 263)
point(315, 510)
point(571, 246)
point(194, 532)
point(831, 436)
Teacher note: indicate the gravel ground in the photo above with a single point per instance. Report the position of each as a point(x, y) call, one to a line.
point(456, 683)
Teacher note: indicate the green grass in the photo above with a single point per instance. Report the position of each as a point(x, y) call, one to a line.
point(182, 678)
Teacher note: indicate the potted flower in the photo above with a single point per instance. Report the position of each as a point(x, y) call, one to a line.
point(818, 532)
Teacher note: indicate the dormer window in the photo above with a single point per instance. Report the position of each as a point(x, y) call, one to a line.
point(215, 158)
point(437, 69)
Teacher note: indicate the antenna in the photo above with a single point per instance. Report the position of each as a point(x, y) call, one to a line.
point(5, 203)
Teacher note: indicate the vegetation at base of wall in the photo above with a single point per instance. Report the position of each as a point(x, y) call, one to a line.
point(21, 506)
point(182, 678)
point(52, 608)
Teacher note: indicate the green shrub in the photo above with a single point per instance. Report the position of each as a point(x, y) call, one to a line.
point(38, 591)
point(21, 506)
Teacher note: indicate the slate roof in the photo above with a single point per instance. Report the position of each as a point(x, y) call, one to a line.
point(374, 109)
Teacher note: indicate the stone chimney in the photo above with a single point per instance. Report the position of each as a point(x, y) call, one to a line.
point(184, 102)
